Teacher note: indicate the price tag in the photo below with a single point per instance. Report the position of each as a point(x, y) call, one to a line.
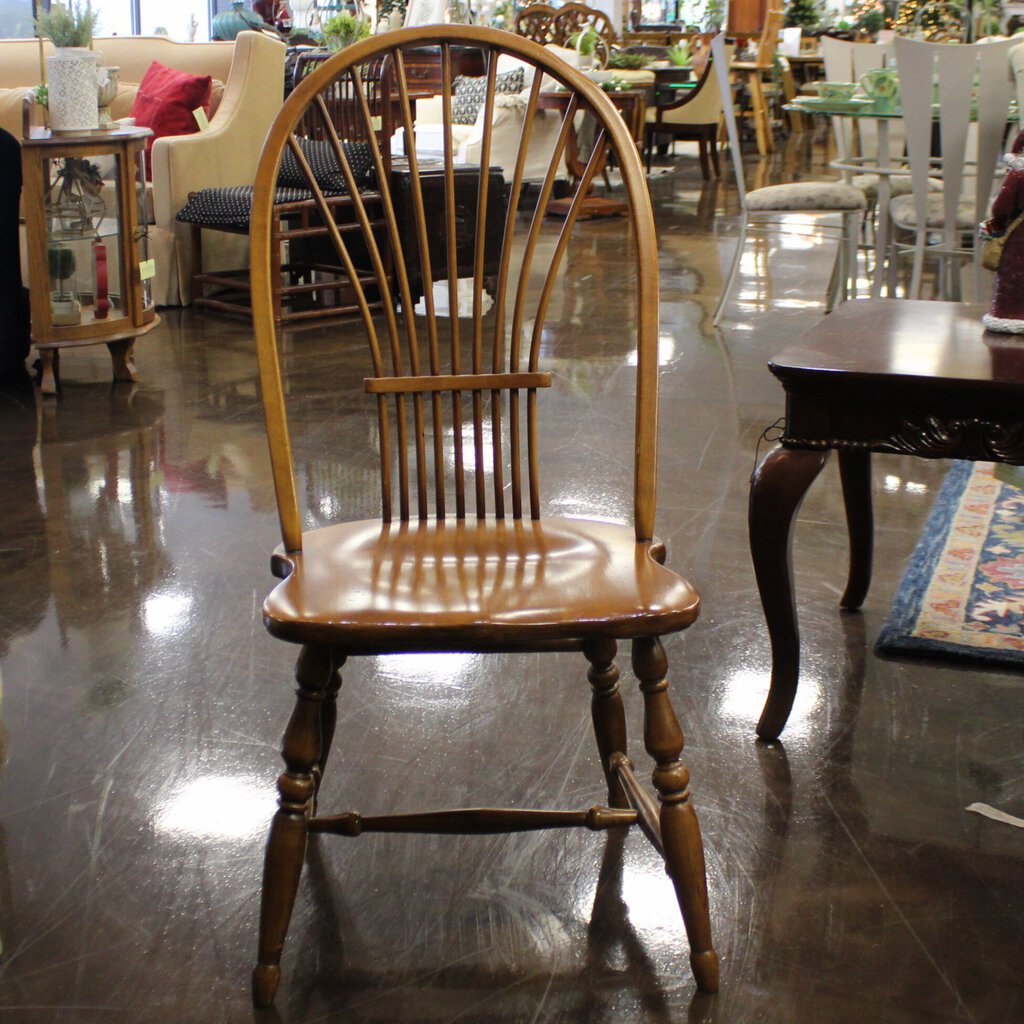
point(376, 123)
point(147, 270)
point(201, 119)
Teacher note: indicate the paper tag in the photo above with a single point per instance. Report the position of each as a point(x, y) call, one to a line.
point(995, 814)
point(376, 123)
point(201, 119)
point(147, 269)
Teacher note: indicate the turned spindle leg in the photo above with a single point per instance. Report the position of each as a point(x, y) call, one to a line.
point(296, 787)
point(328, 720)
point(607, 712)
point(680, 833)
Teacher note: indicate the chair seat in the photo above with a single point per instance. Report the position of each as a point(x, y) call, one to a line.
point(899, 185)
point(903, 213)
point(369, 586)
point(679, 118)
point(807, 195)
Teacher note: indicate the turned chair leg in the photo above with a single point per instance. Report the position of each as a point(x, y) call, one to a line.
point(607, 712)
point(328, 720)
point(303, 755)
point(680, 832)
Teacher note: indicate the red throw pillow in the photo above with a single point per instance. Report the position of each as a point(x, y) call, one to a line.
point(165, 101)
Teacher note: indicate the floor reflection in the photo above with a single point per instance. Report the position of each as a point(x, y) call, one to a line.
point(142, 705)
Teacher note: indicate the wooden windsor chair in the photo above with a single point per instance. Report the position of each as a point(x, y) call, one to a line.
point(463, 557)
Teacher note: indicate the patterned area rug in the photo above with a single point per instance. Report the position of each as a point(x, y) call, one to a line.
point(962, 595)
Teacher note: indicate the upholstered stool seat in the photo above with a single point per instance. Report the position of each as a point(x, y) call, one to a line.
point(904, 214)
point(899, 185)
point(807, 195)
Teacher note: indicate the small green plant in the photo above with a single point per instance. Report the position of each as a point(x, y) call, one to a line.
point(71, 24)
point(585, 42)
point(628, 61)
point(343, 29)
point(62, 265)
point(41, 95)
point(872, 21)
point(679, 54)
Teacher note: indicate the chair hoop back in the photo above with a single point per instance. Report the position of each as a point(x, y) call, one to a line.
point(455, 396)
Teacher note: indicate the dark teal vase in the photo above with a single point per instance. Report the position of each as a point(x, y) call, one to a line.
point(228, 24)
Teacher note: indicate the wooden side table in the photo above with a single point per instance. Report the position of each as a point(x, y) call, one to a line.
point(88, 261)
point(891, 376)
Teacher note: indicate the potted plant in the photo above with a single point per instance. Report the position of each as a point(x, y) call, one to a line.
point(65, 308)
point(585, 43)
point(68, 25)
point(679, 55)
point(343, 29)
point(71, 71)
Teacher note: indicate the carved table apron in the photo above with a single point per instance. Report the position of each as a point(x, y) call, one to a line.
point(880, 375)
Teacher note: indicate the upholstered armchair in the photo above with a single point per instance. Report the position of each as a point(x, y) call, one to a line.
point(226, 153)
point(695, 115)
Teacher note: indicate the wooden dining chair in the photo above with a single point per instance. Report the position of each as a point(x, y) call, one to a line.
point(465, 554)
point(753, 72)
point(545, 23)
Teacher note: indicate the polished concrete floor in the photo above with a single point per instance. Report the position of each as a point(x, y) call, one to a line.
point(143, 705)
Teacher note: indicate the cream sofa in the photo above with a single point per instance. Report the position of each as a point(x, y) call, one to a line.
point(251, 70)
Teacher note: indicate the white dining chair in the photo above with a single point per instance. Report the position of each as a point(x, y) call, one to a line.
point(764, 205)
point(847, 62)
point(969, 83)
point(1016, 56)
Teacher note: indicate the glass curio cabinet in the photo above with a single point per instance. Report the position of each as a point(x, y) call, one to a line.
point(90, 274)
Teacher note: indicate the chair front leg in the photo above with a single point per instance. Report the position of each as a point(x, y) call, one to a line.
point(286, 848)
point(328, 721)
point(680, 831)
point(607, 712)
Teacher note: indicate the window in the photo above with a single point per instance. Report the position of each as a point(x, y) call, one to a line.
point(144, 17)
point(16, 19)
point(175, 18)
point(115, 18)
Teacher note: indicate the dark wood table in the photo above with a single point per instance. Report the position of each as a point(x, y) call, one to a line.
point(891, 376)
point(807, 67)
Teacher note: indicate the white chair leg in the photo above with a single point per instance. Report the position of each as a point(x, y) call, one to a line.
point(836, 281)
point(920, 242)
point(730, 281)
point(851, 237)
